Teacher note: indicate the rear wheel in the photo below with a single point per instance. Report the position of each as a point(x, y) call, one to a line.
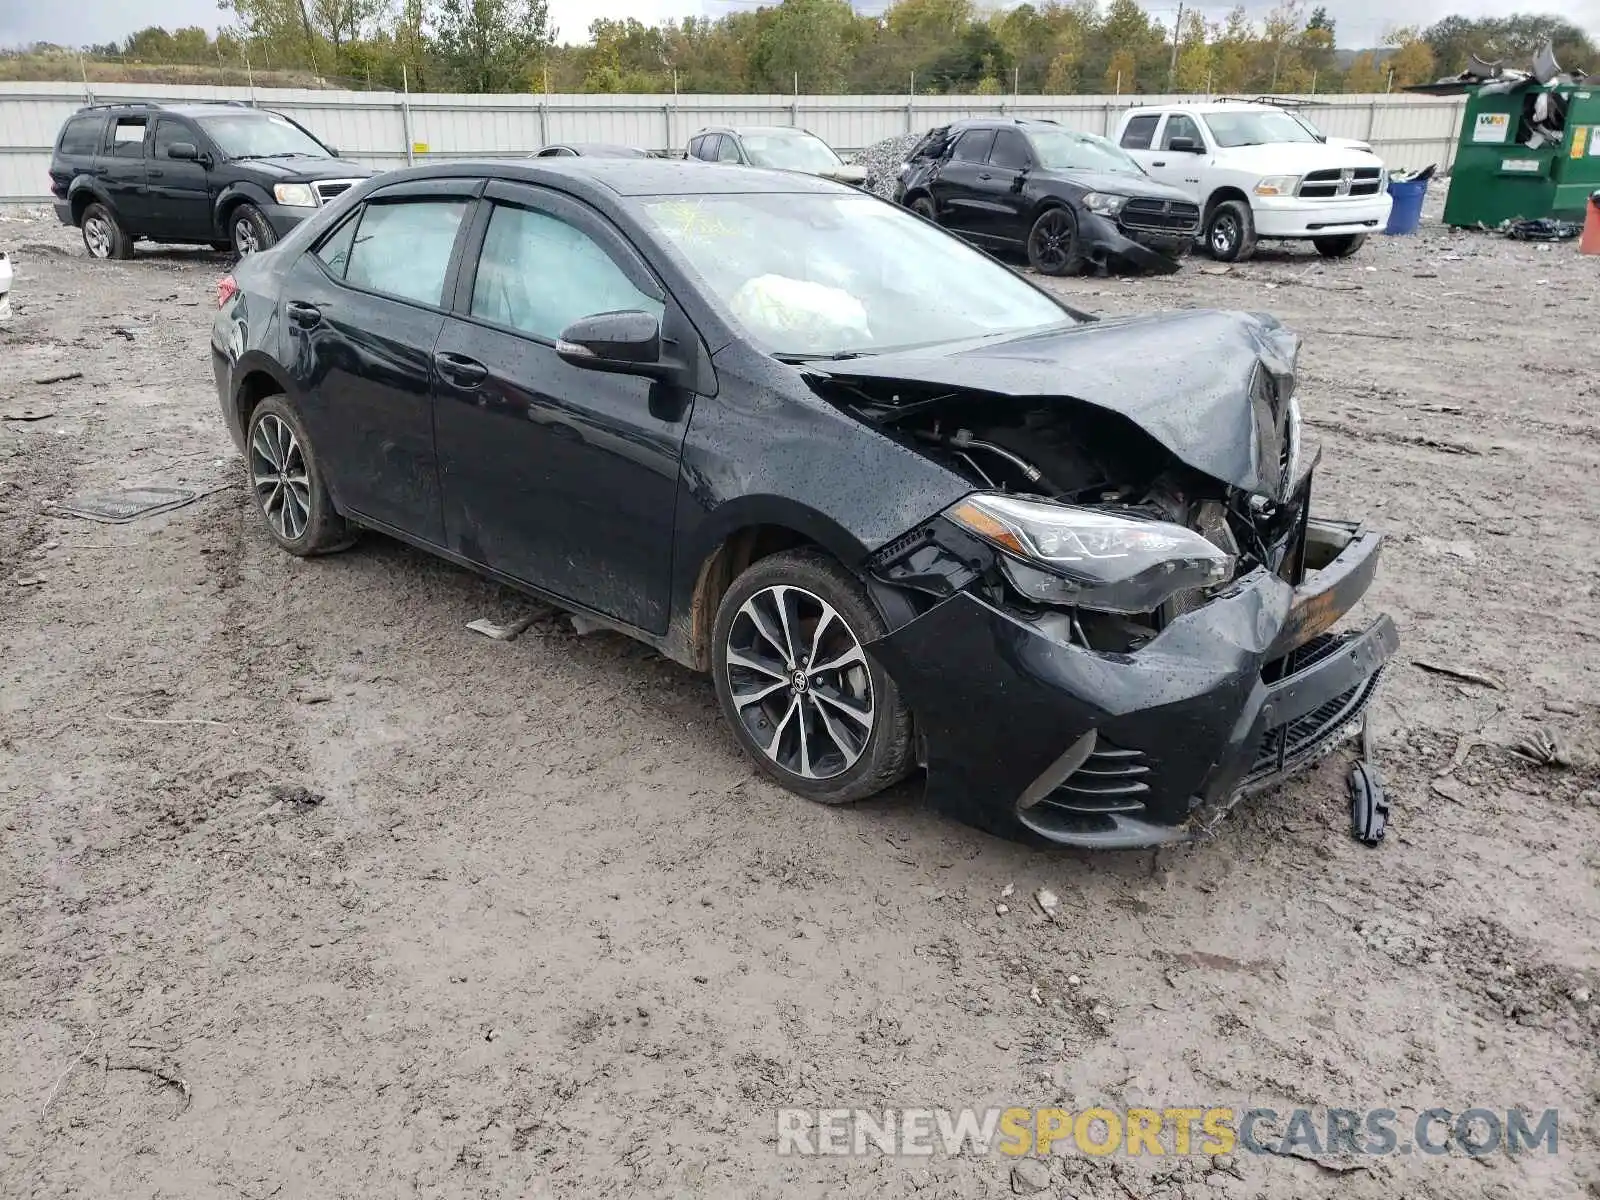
point(103, 235)
point(1231, 232)
point(249, 230)
point(287, 483)
point(1339, 247)
point(1053, 243)
point(804, 700)
point(923, 207)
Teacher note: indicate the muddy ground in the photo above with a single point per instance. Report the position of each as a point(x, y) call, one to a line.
point(547, 933)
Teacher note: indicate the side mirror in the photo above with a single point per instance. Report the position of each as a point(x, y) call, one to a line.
point(622, 343)
point(183, 152)
point(1185, 145)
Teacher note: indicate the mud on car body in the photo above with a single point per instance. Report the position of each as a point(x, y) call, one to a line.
point(903, 506)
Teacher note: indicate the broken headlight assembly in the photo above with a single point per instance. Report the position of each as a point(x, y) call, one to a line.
point(1105, 203)
point(1091, 558)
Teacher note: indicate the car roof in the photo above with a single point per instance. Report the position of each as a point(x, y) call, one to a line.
point(743, 129)
point(1022, 123)
point(626, 176)
point(598, 148)
point(1205, 106)
point(175, 110)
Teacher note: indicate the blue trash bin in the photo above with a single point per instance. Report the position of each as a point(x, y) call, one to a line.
point(1406, 213)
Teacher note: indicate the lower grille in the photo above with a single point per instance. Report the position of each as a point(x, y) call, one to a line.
point(1175, 217)
point(1301, 739)
point(1111, 780)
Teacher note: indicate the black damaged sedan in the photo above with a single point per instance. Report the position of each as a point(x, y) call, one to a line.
point(1068, 199)
point(906, 509)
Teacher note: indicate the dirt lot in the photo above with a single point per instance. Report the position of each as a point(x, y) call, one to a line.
point(546, 933)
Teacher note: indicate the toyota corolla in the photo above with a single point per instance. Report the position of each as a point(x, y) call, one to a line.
point(906, 509)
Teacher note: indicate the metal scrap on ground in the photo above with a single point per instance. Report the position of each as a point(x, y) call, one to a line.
point(129, 504)
point(502, 633)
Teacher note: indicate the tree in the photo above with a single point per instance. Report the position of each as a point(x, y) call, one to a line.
point(808, 39)
point(1412, 60)
point(1195, 67)
point(1513, 39)
point(1122, 73)
point(491, 45)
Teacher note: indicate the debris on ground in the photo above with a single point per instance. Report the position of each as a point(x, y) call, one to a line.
point(1461, 673)
point(1369, 806)
point(1030, 1177)
point(128, 504)
point(502, 633)
point(27, 414)
point(294, 793)
point(62, 377)
point(1541, 229)
point(1543, 748)
point(1048, 902)
point(882, 161)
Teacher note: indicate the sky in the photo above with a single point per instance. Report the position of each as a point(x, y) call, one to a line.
point(1360, 23)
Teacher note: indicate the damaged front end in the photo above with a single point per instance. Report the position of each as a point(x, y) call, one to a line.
point(1126, 625)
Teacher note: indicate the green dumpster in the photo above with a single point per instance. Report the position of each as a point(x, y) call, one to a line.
point(1508, 164)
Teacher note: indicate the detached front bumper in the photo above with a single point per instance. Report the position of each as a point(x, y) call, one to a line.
point(1031, 735)
point(1105, 242)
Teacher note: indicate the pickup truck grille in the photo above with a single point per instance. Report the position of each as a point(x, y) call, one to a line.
point(1173, 217)
point(1351, 181)
point(327, 189)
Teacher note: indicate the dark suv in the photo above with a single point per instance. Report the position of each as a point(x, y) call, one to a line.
point(225, 175)
point(1068, 198)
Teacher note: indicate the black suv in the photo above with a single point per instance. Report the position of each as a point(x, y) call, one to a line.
point(225, 175)
point(1069, 198)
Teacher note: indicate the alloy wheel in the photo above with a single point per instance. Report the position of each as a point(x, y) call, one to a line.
point(1225, 234)
point(1053, 237)
point(97, 236)
point(278, 473)
point(245, 240)
point(799, 682)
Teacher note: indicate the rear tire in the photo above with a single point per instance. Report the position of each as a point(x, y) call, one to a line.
point(287, 485)
point(249, 230)
point(103, 235)
point(1339, 247)
point(830, 733)
point(1230, 234)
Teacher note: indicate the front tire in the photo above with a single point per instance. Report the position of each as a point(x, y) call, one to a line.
point(287, 483)
point(814, 712)
point(103, 235)
point(1230, 234)
point(1339, 247)
point(249, 231)
point(1053, 247)
point(923, 207)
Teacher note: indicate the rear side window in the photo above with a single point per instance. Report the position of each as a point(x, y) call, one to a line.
point(539, 274)
point(973, 146)
point(402, 248)
point(1139, 131)
point(1010, 150)
point(127, 137)
point(81, 135)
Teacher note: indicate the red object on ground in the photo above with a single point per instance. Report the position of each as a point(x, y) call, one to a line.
point(1589, 241)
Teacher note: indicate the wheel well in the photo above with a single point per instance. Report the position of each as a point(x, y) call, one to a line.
point(80, 204)
point(717, 573)
point(253, 389)
point(1220, 195)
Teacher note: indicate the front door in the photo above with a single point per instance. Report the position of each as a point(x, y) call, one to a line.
point(1179, 168)
point(362, 313)
point(1002, 211)
point(180, 189)
point(563, 478)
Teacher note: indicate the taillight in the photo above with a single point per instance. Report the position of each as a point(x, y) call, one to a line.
point(227, 289)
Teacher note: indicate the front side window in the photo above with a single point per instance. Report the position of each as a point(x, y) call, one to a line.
point(170, 132)
point(127, 137)
point(402, 248)
point(973, 145)
point(1139, 132)
point(261, 135)
point(727, 150)
point(1180, 125)
point(538, 274)
point(819, 274)
point(1010, 151)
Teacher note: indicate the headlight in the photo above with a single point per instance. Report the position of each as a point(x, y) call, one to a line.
point(295, 195)
point(1087, 557)
point(1277, 185)
point(1104, 203)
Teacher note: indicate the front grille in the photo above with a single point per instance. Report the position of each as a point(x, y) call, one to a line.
point(1299, 740)
point(1111, 780)
point(327, 189)
point(1174, 217)
point(1335, 184)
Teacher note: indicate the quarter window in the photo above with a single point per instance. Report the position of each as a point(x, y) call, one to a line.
point(127, 137)
point(538, 274)
point(1139, 132)
point(81, 136)
point(335, 250)
point(402, 248)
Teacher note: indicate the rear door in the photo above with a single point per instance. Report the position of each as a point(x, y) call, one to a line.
point(1139, 137)
point(957, 191)
point(126, 185)
point(77, 151)
point(562, 478)
point(361, 314)
point(180, 190)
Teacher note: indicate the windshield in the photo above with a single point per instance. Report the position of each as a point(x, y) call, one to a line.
point(790, 152)
point(1250, 128)
point(821, 274)
point(1310, 128)
point(1064, 150)
point(260, 135)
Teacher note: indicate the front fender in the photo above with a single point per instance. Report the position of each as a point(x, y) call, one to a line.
point(236, 192)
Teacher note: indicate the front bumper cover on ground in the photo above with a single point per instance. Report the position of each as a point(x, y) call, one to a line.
point(1105, 243)
point(1030, 735)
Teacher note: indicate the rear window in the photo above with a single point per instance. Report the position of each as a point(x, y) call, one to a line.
point(81, 135)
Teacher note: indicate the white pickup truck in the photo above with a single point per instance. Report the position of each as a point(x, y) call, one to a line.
point(1258, 172)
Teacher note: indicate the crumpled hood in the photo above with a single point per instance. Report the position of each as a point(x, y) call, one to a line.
point(1117, 183)
point(1212, 387)
point(306, 167)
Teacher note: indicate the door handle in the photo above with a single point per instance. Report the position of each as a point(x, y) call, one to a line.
point(303, 314)
point(984, 175)
point(458, 368)
point(156, 174)
point(1162, 163)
